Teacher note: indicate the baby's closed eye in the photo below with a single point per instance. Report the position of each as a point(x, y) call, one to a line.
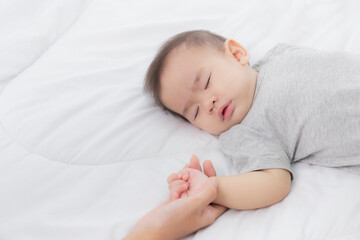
point(208, 81)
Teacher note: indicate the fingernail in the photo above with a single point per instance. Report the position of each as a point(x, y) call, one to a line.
point(179, 175)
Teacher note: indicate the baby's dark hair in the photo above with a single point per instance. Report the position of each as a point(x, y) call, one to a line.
point(188, 39)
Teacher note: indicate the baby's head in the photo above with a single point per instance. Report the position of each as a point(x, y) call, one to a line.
point(203, 78)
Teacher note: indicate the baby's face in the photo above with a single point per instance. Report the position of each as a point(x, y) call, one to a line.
point(210, 88)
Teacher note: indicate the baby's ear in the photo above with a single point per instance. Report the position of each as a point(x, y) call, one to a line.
point(234, 49)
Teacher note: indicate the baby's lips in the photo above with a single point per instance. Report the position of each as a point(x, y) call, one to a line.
point(221, 110)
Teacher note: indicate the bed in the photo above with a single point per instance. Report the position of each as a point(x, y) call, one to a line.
point(84, 153)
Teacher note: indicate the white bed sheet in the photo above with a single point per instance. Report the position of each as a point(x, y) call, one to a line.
point(28, 28)
point(84, 154)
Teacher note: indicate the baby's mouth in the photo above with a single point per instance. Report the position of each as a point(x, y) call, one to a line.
point(225, 111)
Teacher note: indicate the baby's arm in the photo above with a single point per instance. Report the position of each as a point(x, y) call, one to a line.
point(253, 190)
point(250, 190)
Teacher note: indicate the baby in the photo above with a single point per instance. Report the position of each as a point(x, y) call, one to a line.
point(295, 104)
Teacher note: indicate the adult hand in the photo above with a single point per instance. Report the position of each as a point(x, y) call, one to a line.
point(181, 217)
point(185, 215)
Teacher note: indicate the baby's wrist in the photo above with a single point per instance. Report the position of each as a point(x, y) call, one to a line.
point(215, 182)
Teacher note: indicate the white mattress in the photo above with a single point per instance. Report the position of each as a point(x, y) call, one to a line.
point(84, 153)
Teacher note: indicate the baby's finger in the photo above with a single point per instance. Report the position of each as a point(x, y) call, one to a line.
point(178, 190)
point(185, 175)
point(175, 183)
point(173, 177)
point(174, 196)
point(184, 194)
point(194, 163)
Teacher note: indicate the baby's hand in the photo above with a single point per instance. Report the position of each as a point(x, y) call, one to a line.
point(190, 179)
point(178, 184)
point(188, 182)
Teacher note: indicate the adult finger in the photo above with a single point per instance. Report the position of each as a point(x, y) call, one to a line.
point(209, 169)
point(218, 210)
point(194, 162)
point(213, 211)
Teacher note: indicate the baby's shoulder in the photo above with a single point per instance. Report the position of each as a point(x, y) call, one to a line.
point(278, 51)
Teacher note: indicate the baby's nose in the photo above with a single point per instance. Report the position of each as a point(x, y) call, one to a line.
point(210, 105)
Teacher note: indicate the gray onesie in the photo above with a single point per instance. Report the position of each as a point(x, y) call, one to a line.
point(306, 108)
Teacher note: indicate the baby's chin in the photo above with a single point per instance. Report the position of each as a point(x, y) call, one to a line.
point(217, 132)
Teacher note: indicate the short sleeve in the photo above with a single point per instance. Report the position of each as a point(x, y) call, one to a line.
point(252, 150)
point(276, 51)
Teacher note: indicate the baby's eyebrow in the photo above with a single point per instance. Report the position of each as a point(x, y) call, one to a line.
point(195, 82)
